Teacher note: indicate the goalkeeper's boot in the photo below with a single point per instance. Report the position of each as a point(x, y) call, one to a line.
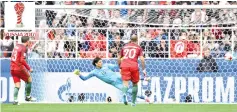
point(16, 103)
point(125, 100)
point(147, 100)
point(30, 98)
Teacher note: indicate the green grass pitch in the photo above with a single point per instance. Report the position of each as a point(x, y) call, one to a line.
point(119, 108)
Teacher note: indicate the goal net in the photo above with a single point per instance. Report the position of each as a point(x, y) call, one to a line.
point(189, 50)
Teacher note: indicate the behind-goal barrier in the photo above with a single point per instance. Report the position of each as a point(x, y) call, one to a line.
point(189, 50)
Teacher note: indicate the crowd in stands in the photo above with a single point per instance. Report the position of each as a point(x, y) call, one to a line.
point(108, 30)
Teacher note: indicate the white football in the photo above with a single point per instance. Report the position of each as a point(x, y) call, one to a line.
point(228, 56)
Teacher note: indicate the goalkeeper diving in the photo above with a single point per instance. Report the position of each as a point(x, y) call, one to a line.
point(106, 74)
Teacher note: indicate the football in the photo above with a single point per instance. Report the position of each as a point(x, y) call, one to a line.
point(228, 56)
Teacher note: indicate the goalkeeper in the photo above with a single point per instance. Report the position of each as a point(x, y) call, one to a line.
point(105, 74)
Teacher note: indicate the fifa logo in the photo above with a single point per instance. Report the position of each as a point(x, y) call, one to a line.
point(19, 8)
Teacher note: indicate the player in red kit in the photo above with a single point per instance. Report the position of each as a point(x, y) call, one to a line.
point(20, 68)
point(128, 61)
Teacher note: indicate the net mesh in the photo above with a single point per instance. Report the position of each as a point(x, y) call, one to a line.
point(107, 30)
point(164, 35)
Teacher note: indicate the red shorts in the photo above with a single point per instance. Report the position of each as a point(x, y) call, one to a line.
point(17, 75)
point(130, 73)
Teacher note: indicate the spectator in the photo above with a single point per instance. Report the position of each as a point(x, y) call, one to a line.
point(207, 64)
point(2, 14)
point(186, 21)
point(95, 45)
point(175, 34)
point(163, 49)
point(70, 49)
point(1, 22)
point(1, 38)
point(116, 46)
point(163, 34)
point(193, 46)
point(185, 12)
point(122, 12)
point(116, 16)
point(112, 32)
point(213, 21)
point(142, 35)
point(227, 16)
point(139, 19)
point(234, 36)
point(71, 24)
point(217, 31)
point(42, 32)
point(100, 13)
point(150, 47)
point(138, 15)
point(227, 43)
point(198, 17)
point(126, 33)
point(177, 21)
point(235, 52)
point(88, 2)
point(151, 15)
point(60, 43)
point(50, 15)
point(206, 36)
point(96, 41)
point(86, 43)
point(214, 46)
point(51, 34)
point(166, 21)
point(215, 51)
point(80, 2)
point(183, 36)
point(1, 51)
point(154, 33)
point(51, 47)
point(7, 45)
point(85, 12)
point(100, 42)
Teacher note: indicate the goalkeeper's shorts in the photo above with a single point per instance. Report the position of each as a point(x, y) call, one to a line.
point(17, 75)
point(130, 73)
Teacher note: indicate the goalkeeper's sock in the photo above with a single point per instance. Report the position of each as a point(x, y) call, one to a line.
point(16, 90)
point(28, 89)
point(134, 93)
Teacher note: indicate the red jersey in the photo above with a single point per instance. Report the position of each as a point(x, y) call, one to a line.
point(18, 57)
point(130, 53)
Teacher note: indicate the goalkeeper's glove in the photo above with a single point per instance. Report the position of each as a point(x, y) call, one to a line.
point(76, 72)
